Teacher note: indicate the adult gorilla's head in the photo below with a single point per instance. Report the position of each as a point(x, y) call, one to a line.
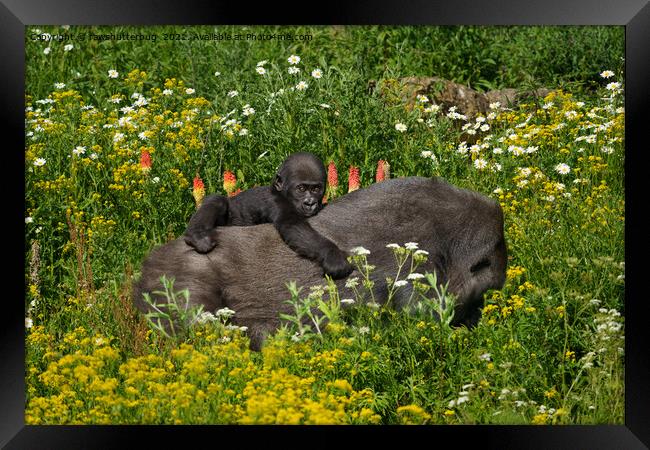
point(301, 181)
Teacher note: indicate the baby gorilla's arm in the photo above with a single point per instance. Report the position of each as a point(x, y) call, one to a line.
point(307, 242)
point(250, 207)
point(200, 232)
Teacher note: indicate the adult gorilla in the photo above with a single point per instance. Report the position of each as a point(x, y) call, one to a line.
point(248, 271)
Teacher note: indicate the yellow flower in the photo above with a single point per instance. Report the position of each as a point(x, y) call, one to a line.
point(551, 393)
point(540, 419)
point(412, 415)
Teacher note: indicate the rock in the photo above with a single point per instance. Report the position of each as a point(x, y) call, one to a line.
point(448, 93)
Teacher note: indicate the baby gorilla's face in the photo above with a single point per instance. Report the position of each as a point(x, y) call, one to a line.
point(306, 197)
point(301, 181)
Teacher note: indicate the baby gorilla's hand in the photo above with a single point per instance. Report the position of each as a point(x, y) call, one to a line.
point(336, 265)
point(203, 240)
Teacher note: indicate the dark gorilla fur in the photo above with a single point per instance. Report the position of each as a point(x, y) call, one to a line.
point(296, 194)
point(248, 271)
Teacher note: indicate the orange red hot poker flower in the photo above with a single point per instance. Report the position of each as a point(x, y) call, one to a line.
point(145, 161)
point(332, 175)
point(198, 190)
point(354, 181)
point(229, 183)
point(332, 182)
point(383, 171)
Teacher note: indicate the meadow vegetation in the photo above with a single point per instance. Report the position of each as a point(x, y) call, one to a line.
point(124, 138)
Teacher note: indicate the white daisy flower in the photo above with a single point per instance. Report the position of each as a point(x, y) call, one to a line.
point(302, 86)
point(47, 50)
point(293, 59)
point(261, 63)
point(261, 70)
point(216, 74)
point(141, 101)
point(167, 92)
point(190, 91)
point(79, 150)
point(400, 127)
point(59, 85)
point(562, 168)
point(480, 164)
point(112, 73)
point(232, 94)
point(293, 70)
point(38, 162)
point(613, 86)
point(432, 109)
point(68, 47)
point(317, 73)
point(29, 220)
point(28, 322)
point(607, 74)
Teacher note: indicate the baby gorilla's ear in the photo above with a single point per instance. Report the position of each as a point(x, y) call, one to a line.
point(277, 184)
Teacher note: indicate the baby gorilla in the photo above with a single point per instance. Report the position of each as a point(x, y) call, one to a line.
point(296, 194)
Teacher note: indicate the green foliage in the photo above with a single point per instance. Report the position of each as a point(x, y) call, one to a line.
point(174, 316)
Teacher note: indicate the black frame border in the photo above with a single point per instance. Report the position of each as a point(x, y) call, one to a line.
point(633, 14)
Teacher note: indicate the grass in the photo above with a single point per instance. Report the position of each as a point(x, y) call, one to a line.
point(105, 184)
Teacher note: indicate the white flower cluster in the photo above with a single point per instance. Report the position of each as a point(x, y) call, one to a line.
point(463, 396)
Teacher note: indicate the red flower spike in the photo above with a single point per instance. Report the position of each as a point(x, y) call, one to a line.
point(229, 182)
point(198, 191)
point(145, 161)
point(332, 175)
point(381, 172)
point(354, 182)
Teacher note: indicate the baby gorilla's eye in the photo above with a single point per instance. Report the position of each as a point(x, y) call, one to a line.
point(315, 189)
point(301, 188)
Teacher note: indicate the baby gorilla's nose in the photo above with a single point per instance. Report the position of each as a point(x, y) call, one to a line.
point(310, 205)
